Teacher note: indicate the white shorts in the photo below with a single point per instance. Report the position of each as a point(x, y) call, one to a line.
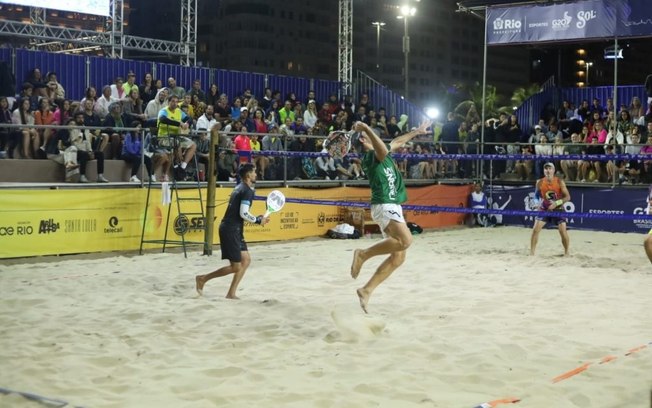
point(384, 213)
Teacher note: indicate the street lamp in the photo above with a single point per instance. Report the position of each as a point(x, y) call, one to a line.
point(378, 24)
point(588, 65)
point(406, 13)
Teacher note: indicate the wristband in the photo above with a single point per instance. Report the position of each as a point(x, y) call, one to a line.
point(259, 220)
point(559, 202)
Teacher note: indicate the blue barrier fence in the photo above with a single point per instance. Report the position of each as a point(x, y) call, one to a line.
point(77, 72)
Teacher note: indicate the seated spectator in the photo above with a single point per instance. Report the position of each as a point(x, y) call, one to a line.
point(206, 121)
point(247, 122)
point(60, 93)
point(227, 163)
point(118, 91)
point(132, 151)
point(598, 132)
point(176, 90)
point(273, 142)
point(198, 106)
point(102, 104)
point(197, 91)
point(222, 109)
point(90, 94)
point(299, 166)
point(114, 123)
point(572, 168)
point(37, 81)
point(259, 160)
point(595, 147)
point(325, 166)
point(631, 169)
point(133, 107)
point(51, 92)
point(523, 167)
point(91, 119)
point(155, 105)
point(147, 89)
point(543, 148)
point(186, 102)
point(298, 128)
point(478, 200)
point(636, 111)
point(625, 123)
point(310, 115)
point(44, 116)
point(27, 92)
point(286, 112)
point(63, 112)
point(7, 143)
point(29, 140)
point(60, 150)
point(171, 121)
point(392, 128)
point(82, 139)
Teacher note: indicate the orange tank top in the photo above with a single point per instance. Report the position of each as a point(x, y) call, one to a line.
point(550, 190)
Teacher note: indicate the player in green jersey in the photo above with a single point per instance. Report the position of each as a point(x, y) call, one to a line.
point(387, 194)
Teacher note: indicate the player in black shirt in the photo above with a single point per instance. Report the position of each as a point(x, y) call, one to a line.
point(234, 247)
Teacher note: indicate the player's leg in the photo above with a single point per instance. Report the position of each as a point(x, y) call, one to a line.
point(395, 238)
point(238, 273)
point(565, 239)
point(536, 229)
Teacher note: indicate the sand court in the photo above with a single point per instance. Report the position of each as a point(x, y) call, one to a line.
point(469, 318)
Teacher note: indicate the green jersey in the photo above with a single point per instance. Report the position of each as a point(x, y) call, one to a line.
point(385, 180)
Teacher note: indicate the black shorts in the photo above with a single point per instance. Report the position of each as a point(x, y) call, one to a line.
point(232, 242)
point(556, 219)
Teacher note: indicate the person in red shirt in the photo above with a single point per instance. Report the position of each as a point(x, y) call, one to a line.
point(242, 144)
point(554, 194)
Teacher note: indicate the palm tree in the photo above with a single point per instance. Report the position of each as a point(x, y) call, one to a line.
point(520, 95)
point(492, 99)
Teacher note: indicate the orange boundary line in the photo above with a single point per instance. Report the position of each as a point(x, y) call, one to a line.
point(564, 376)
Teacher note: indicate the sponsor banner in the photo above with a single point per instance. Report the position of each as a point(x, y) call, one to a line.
point(49, 222)
point(583, 200)
point(557, 22)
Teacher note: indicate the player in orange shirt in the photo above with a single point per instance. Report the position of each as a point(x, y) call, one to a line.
point(554, 194)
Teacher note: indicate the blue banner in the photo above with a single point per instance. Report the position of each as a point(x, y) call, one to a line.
point(569, 21)
point(583, 200)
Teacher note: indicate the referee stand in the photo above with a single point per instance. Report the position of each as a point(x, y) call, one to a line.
point(189, 218)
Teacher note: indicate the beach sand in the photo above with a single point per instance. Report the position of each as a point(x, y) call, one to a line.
point(469, 318)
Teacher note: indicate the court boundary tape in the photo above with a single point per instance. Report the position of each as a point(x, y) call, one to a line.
point(53, 402)
point(568, 374)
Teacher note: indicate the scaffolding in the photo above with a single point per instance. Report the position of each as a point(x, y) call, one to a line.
point(112, 40)
point(345, 46)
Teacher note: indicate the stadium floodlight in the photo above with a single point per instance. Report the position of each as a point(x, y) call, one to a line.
point(432, 112)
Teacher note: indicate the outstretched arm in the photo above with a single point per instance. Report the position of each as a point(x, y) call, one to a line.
point(397, 143)
point(379, 147)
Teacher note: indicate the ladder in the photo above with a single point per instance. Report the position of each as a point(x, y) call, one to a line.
point(186, 221)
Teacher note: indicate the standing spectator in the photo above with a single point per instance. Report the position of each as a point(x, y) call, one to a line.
point(513, 137)
point(37, 81)
point(147, 89)
point(242, 143)
point(213, 95)
point(60, 92)
point(130, 84)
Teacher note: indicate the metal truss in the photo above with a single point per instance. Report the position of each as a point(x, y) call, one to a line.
point(345, 45)
point(189, 32)
point(117, 17)
point(113, 40)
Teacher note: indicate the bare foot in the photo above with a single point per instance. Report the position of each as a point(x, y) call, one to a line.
point(363, 296)
point(234, 297)
point(199, 284)
point(357, 263)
